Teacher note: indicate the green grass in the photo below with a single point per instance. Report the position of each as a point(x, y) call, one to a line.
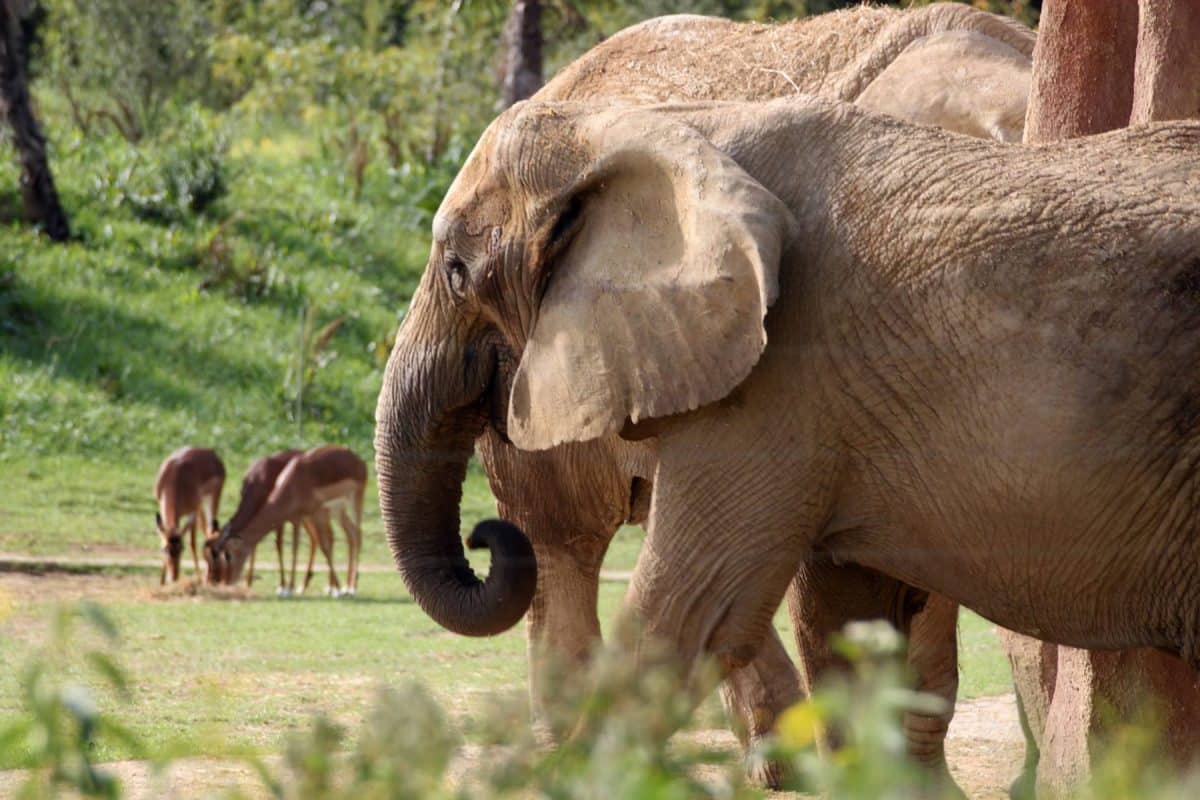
point(111, 347)
point(208, 674)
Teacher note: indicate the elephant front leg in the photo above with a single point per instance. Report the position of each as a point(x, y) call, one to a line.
point(754, 697)
point(725, 538)
point(562, 626)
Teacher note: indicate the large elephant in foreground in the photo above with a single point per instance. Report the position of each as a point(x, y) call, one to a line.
point(976, 373)
point(946, 65)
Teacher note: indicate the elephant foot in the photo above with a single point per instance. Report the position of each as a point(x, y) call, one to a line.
point(1024, 787)
point(761, 770)
point(942, 785)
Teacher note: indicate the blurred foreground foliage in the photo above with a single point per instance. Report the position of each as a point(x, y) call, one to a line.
point(407, 746)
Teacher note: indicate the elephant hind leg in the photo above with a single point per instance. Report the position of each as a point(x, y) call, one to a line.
point(825, 596)
point(933, 655)
point(754, 697)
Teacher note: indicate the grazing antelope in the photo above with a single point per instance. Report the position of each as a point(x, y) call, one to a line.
point(188, 490)
point(312, 488)
point(256, 488)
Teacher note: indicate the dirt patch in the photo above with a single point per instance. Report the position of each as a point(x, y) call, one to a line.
point(23, 588)
point(985, 748)
point(187, 777)
point(194, 590)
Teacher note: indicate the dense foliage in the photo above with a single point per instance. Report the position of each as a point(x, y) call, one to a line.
point(240, 176)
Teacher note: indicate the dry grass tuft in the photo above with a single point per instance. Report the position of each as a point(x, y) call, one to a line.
point(196, 590)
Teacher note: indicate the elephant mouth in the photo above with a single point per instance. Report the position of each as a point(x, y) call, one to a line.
point(497, 390)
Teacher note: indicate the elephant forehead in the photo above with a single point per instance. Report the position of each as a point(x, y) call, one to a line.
point(473, 221)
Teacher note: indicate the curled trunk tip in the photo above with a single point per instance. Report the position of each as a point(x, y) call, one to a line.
point(511, 582)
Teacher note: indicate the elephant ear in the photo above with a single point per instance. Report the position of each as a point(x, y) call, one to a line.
point(656, 304)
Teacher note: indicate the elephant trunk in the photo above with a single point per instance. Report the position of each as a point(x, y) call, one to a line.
point(422, 445)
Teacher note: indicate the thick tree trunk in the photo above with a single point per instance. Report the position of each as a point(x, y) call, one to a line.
point(1082, 69)
point(523, 60)
point(37, 184)
point(1166, 79)
point(1099, 66)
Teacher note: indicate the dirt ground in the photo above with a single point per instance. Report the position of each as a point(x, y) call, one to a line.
point(985, 747)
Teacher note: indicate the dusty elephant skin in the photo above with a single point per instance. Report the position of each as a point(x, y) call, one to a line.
point(930, 296)
point(1098, 68)
point(571, 499)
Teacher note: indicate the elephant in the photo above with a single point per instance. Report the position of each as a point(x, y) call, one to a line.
point(1014, 327)
point(1098, 68)
point(945, 64)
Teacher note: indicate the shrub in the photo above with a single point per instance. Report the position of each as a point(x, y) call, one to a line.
point(622, 715)
point(125, 62)
point(55, 736)
point(179, 174)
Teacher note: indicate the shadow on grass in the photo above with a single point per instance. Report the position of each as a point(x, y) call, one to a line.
point(375, 258)
point(357, 600)
point(239, 595)
point(96, 343)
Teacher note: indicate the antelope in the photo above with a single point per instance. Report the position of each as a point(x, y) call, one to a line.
point(310, 489)
point(188, 487)
point(256, 487)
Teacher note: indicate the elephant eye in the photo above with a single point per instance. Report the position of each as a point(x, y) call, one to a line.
point(456, 276)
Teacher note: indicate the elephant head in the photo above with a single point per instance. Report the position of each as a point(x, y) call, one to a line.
point(588, 271)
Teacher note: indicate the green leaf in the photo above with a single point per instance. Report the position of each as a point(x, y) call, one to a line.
point(111, 671)
point(99, 619)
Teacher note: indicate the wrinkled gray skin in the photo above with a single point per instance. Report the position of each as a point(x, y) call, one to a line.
point(944, 65)
point(1015, 327)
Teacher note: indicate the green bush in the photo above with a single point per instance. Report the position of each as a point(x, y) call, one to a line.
point(55, 737)
point(183, 172)
point(124, 63)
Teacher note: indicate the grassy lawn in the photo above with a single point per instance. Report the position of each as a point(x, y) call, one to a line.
point(207, 674)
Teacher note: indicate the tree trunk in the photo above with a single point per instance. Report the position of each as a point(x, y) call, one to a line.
point(37, 184)
point(1166, 79)
point(523, 59)
point(1082, 69)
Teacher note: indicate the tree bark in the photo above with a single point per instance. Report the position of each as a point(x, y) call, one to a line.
point(1082, 69)
point(523, 60)
point(37, 184)
point(1166, 78)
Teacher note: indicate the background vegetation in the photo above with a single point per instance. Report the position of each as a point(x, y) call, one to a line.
point(250, 187)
